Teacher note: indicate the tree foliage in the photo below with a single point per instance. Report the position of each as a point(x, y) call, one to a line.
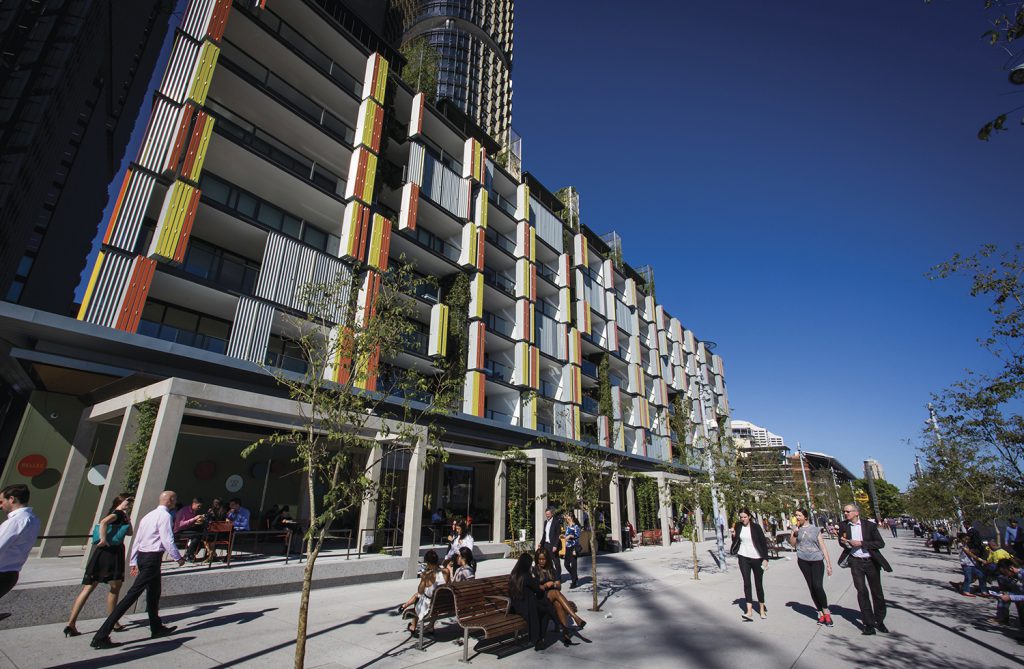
point(343, 432)
point(421, 63)
point(890, 499)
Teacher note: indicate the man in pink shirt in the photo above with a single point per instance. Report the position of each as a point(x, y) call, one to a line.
point(154, 536)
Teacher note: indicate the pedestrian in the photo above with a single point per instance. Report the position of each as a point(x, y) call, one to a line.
point(1013, 539)
point(106, 563)
point(863, 542)
point(153, 537)
point(749, 543)
point(814, 562)
point(971, 566)
point(571, 535)
point(550, 538)
point(892, 527)
point(17, 534)
point(1011, 583)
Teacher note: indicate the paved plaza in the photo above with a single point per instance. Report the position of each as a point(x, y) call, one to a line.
point(653, 615)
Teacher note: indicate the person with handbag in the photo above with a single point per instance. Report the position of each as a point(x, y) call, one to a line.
point(751, 547)
point(106, 564)
point(862, 542)
point(571, 541)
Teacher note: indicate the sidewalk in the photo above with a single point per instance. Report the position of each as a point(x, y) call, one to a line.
point(654, 615)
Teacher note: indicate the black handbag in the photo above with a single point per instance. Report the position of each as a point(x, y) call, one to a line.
point(844, 559)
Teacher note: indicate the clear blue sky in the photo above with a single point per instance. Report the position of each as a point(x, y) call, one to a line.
point(791, 170)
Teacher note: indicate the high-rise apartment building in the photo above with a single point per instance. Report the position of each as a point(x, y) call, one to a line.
point(474, 41)
point(73, 73)
point(874, 469)
point(756, 436)
point(266, 164)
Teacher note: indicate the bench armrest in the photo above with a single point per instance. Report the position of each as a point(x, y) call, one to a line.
point(499, 599)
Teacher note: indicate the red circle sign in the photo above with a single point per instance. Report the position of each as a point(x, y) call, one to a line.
point(31, 465)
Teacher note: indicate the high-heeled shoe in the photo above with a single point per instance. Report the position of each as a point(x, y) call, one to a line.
point(118, 627)
point(71, 631)
point(581, 624)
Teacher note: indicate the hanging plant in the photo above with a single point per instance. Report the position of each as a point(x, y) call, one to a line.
point(138, 448)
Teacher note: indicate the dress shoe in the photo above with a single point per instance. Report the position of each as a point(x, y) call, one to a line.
point(163, 631)
point(104, 644)
point(868, 631)
point(880, 626)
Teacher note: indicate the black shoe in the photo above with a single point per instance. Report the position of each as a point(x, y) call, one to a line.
point(868, 631)
point(163, 631)
point(104, 644)
point(574, 584)
point(880, 626)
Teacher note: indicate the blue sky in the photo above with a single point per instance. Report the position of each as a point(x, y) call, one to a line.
point(791, 170)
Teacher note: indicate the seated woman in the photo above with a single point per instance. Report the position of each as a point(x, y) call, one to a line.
point(544, 572)
point(464, 567)
point(461, 539)
point(431, 577)
point(529, 601)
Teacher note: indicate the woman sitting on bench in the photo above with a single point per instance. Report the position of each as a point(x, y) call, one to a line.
point(529, 601)
point(431, 577)
point(544, 572)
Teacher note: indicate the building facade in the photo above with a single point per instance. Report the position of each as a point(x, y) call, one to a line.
point(755, 436)
point(72, 88)
point(473, 39)
point(268, 163)
point(873, 469)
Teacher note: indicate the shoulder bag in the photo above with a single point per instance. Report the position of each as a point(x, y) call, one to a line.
point(115, 533)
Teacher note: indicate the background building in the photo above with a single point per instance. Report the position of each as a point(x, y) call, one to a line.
point(474, 40)
point(755, 436)
point(874, 469)
point(74, 75)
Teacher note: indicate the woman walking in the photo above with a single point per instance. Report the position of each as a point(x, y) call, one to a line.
point(571, 534)
point(106, 564)
point(749, 544)
point(813, 559)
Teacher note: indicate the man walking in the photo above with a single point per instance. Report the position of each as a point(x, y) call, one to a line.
point(17, 535)
point(153, 538)
point(550, 540)
point(863, 542)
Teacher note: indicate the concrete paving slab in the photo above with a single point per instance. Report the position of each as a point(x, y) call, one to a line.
point(654, 615)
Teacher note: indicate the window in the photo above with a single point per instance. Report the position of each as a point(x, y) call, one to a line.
point(183, 326)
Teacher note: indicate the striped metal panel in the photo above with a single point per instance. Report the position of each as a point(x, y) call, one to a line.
point(197, 17)
point(288, 266)
point(159, 137)
point(181, 68)
point(250, 331)
point(445, 187)
point(108, 292)
point(417, 159)
point(135, 294)
point(174, 224)
point(126, 219)
point(549, 227)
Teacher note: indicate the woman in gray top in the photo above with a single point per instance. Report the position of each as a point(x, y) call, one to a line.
point(812, 558)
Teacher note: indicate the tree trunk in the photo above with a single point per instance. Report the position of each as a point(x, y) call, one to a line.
point(300, 632)
point(593, 567)
point(693, 542)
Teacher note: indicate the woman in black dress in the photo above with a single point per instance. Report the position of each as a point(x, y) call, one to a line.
point(529, 600)
point(551, 584)
point(106, 564)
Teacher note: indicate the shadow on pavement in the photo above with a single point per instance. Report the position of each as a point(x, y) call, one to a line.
point(133, 654)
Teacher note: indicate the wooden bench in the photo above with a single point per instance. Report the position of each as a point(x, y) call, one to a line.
point(483, 605)
point(442, 605)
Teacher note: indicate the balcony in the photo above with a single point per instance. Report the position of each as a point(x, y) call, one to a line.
point(432, 242)
point(547, 272)
point(547, 389)
point(497, 324)
point(184, 326)
point(589, 369)
point(500, 281)
point(236, 128)
point(497, 371)
point(241, 63)
point(590, 405)
point(501, 241)
point(501, 203)
point(416, 342)
point(499, 416)
point(228, 271)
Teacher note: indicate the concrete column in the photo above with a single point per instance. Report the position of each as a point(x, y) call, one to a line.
point(500, 502)
point(127, 434)
point(540, 484)
point(158, 458)
point(665, 504)
point(615, 512)
point(631, 504)
point(413, 508)
point(368, 510)
point(70, 483)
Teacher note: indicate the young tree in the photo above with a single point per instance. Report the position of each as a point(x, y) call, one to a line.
point(345, 431)
point(589, 470)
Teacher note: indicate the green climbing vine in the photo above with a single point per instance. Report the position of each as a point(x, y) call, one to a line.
point(604, 388)
point(139, 447)
point(519, 502)
point(681, 423)
point(457, 299)
point(646, 490)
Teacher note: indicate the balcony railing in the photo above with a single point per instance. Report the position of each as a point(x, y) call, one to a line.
point(497, 371)
point(590, 405)
point(501, 203)
point(429, 240)
point(416, 342)
point(233, 126)
point(495, 323)
point(500, 281)
point(501, 241)
point(242, 63)
point(499, 416)
point(589, 368)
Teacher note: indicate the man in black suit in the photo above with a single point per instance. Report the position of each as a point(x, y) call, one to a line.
point(862, 542)
point(550, 538)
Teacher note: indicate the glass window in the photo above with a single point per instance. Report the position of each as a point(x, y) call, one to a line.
point(182, 320)
point(216, 190)
point(200, 260)
point(247, 205)
point(315, 237)
point(291, 226)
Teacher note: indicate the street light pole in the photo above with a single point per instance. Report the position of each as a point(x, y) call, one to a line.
point(807, 488)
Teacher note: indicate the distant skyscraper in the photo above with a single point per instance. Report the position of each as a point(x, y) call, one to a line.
point(875, 467)
point(72, 77)
point(474, 41)
point(757, 436)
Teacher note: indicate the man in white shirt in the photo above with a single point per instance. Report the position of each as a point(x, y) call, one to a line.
point(862, 542)
point(153, 537)
point(17, 534)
